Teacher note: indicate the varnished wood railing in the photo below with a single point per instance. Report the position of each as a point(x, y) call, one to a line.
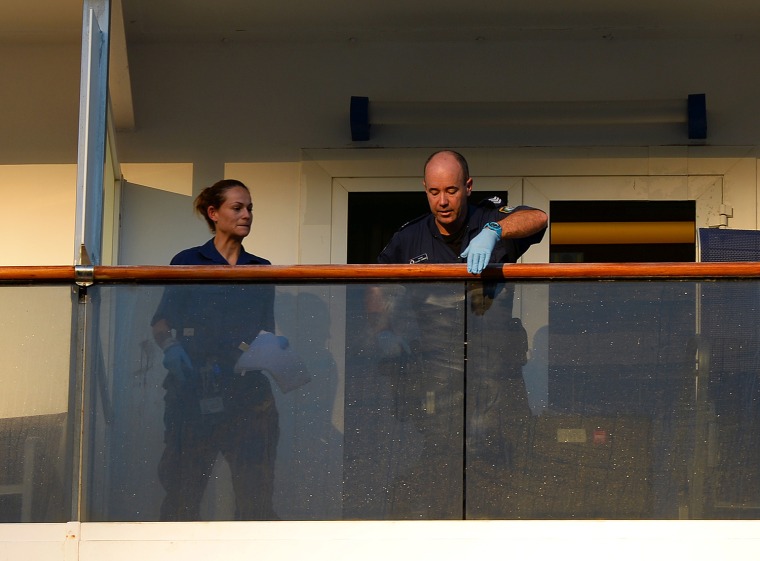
point(359, 273)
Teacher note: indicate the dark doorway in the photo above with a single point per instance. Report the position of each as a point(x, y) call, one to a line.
point(374, 217)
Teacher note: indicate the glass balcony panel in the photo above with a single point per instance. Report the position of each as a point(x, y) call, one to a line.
point(434, 400)
point(404, 402)
point(349, 442)
point(34, 450)
point(636, 390)
point(207, 442)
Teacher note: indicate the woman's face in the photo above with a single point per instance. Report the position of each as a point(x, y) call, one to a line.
point(233, 219)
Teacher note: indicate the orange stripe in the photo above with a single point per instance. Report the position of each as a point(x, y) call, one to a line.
point(565, 233)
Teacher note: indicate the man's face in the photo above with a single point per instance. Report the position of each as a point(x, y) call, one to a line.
point(447, 191)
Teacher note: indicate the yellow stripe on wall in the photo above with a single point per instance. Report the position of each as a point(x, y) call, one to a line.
point(578, 233)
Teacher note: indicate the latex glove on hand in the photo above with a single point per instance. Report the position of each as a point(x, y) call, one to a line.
point(177, 362)
point(478, 253)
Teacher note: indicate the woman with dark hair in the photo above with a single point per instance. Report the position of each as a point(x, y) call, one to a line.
point(210, 409)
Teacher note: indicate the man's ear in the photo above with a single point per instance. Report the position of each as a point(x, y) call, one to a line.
point(468, 186)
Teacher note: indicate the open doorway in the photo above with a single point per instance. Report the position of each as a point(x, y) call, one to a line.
point(374, 217)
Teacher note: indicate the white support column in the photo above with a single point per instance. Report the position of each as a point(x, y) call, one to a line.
point(88, 236)
point(93, 104)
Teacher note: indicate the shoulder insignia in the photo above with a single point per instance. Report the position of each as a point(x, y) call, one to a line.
point(414, 221)
point(506, 209)
point(493, 201)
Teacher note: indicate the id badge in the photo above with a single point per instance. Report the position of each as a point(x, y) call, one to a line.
point(210, 405)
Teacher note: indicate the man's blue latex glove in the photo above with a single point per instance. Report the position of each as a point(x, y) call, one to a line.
point(283, 342)
point(177, 362)
point(479, 251)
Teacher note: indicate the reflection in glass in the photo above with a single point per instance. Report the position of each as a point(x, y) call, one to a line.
point(404, 402)
point(498, 410)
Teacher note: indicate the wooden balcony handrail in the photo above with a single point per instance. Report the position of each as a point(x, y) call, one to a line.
point(360, 273)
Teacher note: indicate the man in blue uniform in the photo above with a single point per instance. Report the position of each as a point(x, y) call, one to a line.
point(455, 230)
point(422, 330)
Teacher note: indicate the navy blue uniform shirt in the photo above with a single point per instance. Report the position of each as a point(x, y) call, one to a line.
point(212, 320)
point(419, 240)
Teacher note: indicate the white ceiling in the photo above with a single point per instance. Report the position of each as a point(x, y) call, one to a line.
point(40, 21)
point(300, 20)
point(293, 20)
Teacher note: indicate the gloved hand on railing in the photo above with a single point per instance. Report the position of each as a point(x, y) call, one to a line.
point(478, 253)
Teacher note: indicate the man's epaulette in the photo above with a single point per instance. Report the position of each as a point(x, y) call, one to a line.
point(414, 221)
point(492, 202)
point(496, 202)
